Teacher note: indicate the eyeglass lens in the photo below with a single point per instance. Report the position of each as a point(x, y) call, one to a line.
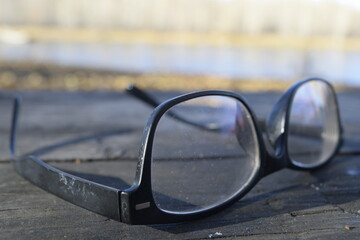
point(313, 124)
point(196, 168)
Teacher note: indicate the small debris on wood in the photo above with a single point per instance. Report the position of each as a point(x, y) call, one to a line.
point(347, 227)
point(315, 187)
point(215, 235)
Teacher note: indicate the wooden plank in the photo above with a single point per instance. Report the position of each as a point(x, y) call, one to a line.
point(324, 204)
point(286, 205)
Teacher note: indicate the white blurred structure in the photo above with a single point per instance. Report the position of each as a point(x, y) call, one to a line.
point(335, 18)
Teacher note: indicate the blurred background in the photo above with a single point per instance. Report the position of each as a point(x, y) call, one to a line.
point(177, 44)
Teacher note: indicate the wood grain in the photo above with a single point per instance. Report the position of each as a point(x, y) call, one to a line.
point(323, 204)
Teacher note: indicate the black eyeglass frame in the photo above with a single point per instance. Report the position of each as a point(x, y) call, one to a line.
point(136, 204)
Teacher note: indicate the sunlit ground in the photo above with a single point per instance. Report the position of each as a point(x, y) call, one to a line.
point(50, 77)
point(29, 76)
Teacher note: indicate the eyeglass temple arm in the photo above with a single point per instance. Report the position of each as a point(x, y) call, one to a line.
point(151, 101)
point(142, 95)
point(14, 123)
point(95, 197)
point(146, 98)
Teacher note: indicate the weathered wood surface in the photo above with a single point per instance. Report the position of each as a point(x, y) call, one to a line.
point(324, 204)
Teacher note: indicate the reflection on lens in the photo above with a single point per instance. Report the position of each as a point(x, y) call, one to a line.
point(313, 125)
point(195, 168)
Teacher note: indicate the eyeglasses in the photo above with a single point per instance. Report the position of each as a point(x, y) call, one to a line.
point(203, 151)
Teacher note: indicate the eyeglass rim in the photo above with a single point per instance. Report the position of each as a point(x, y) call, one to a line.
point(142, 184)
point(142, 187)
point(284, 105)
